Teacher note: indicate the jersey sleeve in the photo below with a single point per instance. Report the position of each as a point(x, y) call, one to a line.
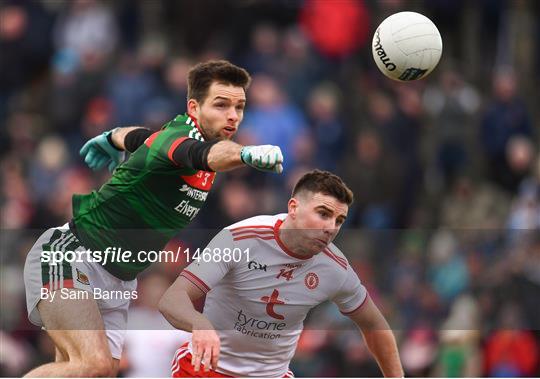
point(351, 295)
point(136, 138)
point(164, 143)
point(193, 154)
point(207, 271)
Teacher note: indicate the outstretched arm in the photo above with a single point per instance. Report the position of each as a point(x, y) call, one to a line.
point(177, 307)
point(379, 338)
point(106, 149)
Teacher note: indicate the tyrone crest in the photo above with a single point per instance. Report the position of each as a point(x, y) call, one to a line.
point(311, 280)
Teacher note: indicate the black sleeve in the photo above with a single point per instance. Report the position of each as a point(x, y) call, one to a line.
point(136, 138)
point(193, 154)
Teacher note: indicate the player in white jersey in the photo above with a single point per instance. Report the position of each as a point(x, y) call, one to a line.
point(261, 277)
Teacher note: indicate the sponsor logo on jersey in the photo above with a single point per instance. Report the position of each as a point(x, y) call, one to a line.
point(186, 209)
point(311, 280)
point(251, 326)
point(82, 277)
point(195, 194)
point(252, 265)
point(271, 301)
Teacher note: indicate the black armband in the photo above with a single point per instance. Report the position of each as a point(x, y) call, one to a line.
point(136, 138)
point(193, 154)
point(109, 139)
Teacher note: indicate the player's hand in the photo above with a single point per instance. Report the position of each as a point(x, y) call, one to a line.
point(99, 152)
point(263, 157)
point(205, 347)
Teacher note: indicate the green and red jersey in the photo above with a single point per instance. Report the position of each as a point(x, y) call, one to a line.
point(148, 199)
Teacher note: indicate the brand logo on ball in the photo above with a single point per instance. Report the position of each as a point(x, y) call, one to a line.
point(311, 280)
point(382, 54)
point(412, 74)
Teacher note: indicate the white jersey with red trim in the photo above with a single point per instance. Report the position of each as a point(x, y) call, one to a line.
point(258, 303)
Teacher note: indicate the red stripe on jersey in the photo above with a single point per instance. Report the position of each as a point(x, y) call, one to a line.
point(341, 259)
point(150, 140)
point(253, 236)
point(252, 227)
point(173, 147)
point(68, 283)
point(195, 280)
point(253, 231)
point(202, 180)
point(192, 281)
point(333, 257)
point(357, 308)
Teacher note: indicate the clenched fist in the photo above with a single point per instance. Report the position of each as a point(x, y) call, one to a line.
point(263, 157)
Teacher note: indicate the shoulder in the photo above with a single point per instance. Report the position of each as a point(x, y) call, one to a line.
point(334, 256)
point(258, 226)
point(261, 221)
point(182, 125)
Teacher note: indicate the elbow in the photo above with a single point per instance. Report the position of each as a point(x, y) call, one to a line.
point(163, 306)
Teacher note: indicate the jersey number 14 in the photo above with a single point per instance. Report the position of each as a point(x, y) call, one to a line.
point(285, 273)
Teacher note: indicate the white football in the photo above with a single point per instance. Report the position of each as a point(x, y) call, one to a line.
point(407, 46)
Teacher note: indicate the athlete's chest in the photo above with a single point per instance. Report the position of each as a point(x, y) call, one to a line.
point(201, 180)
point(274, 286)
point(192, 193)
point(178, 198)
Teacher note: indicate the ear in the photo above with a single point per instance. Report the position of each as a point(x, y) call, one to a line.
point(193, 108)
point(292, 207)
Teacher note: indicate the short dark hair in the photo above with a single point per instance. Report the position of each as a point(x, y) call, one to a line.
point(202, 75)
point(324, 182)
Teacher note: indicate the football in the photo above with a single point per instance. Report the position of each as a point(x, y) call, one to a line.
point(407, 46)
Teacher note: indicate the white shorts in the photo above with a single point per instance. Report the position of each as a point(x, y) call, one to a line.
point(85, 275)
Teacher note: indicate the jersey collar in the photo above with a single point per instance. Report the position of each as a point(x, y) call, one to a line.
point(191, 118)
point(277, 225)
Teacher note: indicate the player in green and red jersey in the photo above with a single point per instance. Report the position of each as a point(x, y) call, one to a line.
point(156, 192)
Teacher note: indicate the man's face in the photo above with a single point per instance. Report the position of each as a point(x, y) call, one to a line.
point(220, 114)
point(317, 219)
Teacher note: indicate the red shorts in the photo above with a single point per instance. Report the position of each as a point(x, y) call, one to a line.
point(182, 367)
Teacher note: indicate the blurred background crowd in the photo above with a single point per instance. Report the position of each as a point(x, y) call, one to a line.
point(445, 228)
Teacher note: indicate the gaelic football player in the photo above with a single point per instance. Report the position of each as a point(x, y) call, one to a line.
point(156, 192)
point(261, 277)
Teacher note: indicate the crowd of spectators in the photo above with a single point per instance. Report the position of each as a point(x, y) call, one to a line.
point(445, 228)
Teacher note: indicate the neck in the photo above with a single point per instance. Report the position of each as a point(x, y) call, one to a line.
point(288, 233)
